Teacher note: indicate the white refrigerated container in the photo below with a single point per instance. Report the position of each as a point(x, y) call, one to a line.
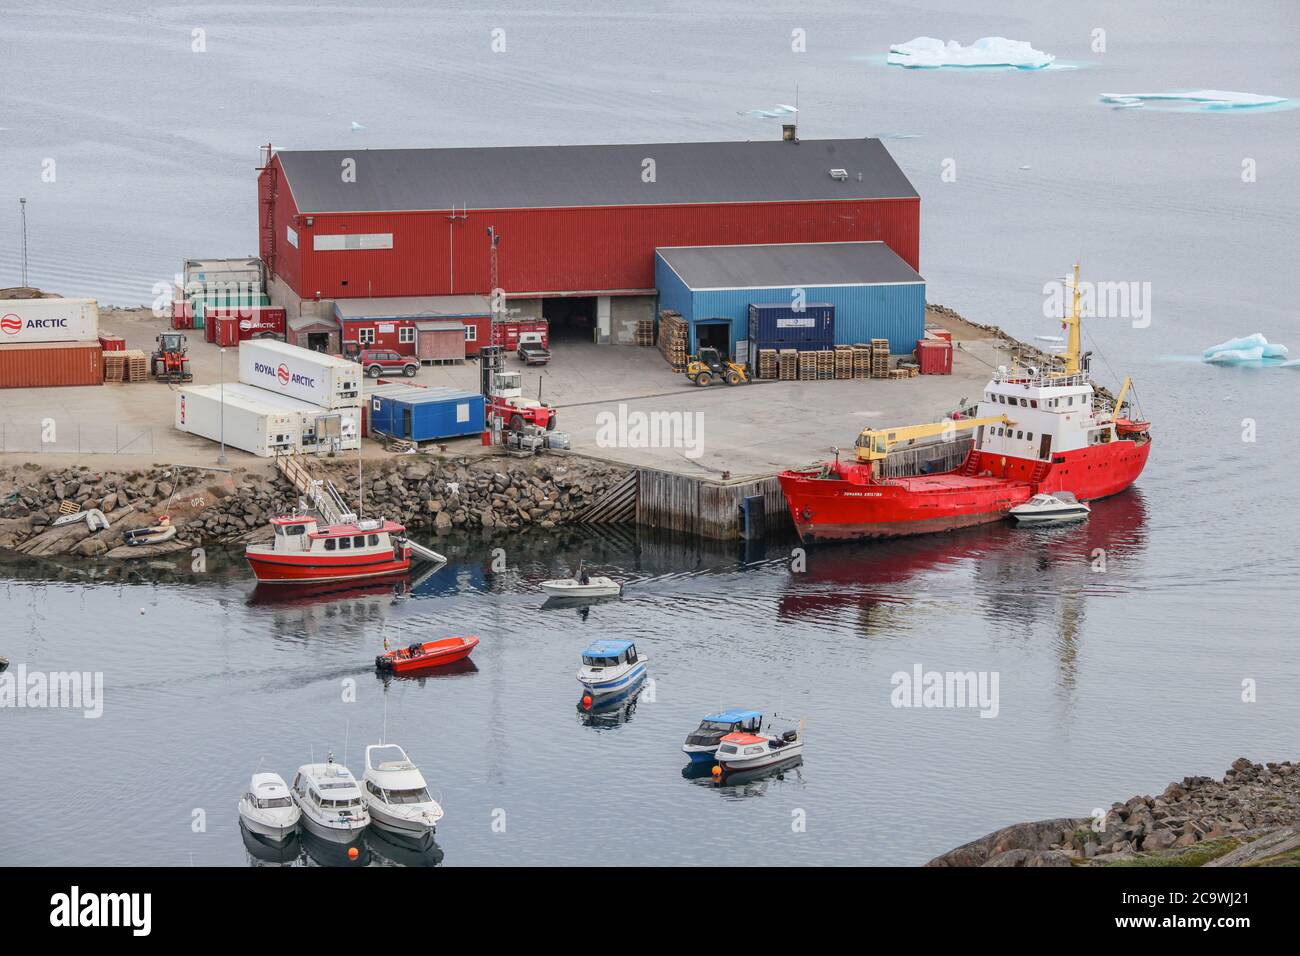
point(261, 427)
point(304, 374)
point(48, 320)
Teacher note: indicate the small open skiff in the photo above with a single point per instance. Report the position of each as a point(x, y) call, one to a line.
point(1041, 509)
point(164, 530)
point(423, 656)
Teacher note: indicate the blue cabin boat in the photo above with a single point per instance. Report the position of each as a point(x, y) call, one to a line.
point(610, 667)
point(702, 745)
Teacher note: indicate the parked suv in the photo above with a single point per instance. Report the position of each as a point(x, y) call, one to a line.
point(378, 361)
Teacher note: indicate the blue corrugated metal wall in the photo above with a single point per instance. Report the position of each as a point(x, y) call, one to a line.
point(862, 313)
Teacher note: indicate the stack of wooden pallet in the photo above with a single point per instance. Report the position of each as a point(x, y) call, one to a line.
point(807, 366)
point(126, 365)
point(861, 360)
point(843, 361)
point(768, 364)
point(825, 365)
point(880, 358)
point(789, 365)
point(897, 373)
point(673, 336)
point(645, 332)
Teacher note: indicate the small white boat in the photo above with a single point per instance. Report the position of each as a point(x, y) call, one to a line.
point(95, 519)
point(701, 745)
point(582, 585)
point(610, 667)
point(267, 809)
point(742, 751)
point(330, 801)
point(396, 794)
point(1042, 509)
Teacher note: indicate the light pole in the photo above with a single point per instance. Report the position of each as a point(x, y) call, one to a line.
point(22, 210)
point(221, 459)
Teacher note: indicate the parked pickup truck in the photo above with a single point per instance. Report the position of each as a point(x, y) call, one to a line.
point(377, 362)
point(532, 349)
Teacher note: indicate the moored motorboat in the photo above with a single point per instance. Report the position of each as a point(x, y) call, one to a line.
point(703, 743)
point(306, 551)
point(745, 751)
point(1044, 509)
point(582, 585)
point(610, 667)
point(419, 657)
point(267, 809)
point(396, 793)
point(330, 801)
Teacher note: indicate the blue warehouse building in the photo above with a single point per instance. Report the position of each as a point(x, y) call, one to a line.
point(874, 293)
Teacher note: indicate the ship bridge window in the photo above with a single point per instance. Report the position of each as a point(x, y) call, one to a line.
point(359, 541)
point(1024, 403)
point(1029, 436)
point(1033, 403)
point(345, 543)
point(329, 544)
point(374, 540)
point(1020, 435)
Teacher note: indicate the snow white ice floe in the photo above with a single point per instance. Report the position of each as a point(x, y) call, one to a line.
point(929, 53)
point(1193, 99)
point(1248, 350)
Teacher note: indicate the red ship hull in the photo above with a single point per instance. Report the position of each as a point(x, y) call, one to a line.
point(316, 568)
point(848, 504)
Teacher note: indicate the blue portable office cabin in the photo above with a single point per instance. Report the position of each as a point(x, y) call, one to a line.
point(874, 293)
point(424, 414)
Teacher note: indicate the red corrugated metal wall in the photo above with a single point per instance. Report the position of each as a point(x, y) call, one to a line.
point(287, 258)
point(560, 250)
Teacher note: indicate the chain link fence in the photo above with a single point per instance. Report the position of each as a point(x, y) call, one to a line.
point(52, 438)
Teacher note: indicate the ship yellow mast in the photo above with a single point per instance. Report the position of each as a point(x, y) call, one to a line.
point(1073, 349)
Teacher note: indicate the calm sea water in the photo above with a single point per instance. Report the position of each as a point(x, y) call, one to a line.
point(1111, 682)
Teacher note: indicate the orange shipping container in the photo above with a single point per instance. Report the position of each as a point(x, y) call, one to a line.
point(36, 364)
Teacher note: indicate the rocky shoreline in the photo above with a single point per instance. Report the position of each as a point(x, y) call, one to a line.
point(424, 492)
point(1249, 818)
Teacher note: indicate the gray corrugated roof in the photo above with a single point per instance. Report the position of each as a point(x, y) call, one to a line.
point(412, 307)
point(790, 264)
point(517, 177)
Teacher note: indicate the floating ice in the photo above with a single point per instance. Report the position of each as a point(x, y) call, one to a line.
point(1194, 99)
point(929, 53)
point(356, 126)
point(781, 109)
point(1248, 350)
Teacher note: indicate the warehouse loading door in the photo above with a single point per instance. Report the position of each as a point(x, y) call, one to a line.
point(571, 319)
point(713, 333)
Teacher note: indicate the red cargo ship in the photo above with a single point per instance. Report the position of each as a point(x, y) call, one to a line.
point(1037, 431)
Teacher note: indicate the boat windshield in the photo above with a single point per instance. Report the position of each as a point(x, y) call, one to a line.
point(341, 804)
point(715, 725)
point(599, 661)
point(420, 795)
point(272, 803)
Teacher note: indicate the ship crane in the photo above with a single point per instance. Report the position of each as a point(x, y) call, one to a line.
point(875, 444)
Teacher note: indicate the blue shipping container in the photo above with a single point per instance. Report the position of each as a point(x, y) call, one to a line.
point(777, 326)
point(426, 414)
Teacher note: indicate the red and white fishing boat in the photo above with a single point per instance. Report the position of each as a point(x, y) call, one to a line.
point(1037, 430)
point(306, 551)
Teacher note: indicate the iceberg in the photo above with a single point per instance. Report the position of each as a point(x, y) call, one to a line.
point(1196, 99)
point(929, 53)
point(1247, 350)
point(781, 109)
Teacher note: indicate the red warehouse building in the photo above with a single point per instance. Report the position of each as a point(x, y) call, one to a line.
point(577, 226)
point(414, 325)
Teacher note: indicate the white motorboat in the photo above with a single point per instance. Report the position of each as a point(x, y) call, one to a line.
point(701, 745)
point(396, 794)
point(610, 667)
point(267, 809)
point(582, 586)
point(742, 751)
point(1058, 506)
point(330, 801)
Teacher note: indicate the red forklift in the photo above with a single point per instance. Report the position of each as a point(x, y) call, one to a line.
point(169, 362)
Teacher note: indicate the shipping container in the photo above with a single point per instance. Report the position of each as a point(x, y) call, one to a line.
point(231, 326)
point(424, 414)
point(40, 364)
point(112, 343)
point(48, 320)
point(320, 429)
point(934, 356)
point(781, 326)
point(506, 334)
point(325, 380)
point(223, 277)
point(254, 425)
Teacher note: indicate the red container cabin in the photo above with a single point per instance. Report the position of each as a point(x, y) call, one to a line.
point(229, 327)
point(934, 356)
point(507, 333)
point(40, 364)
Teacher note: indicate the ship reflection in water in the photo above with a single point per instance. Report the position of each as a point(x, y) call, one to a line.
point(1016, 577)
point(374, 848)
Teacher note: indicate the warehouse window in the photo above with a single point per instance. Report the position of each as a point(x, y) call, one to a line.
point(471, 333)
point(366, 336)
point(406, 334)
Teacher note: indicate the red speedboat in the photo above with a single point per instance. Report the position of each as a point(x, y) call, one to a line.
point(419, 657)
point(307, 552)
